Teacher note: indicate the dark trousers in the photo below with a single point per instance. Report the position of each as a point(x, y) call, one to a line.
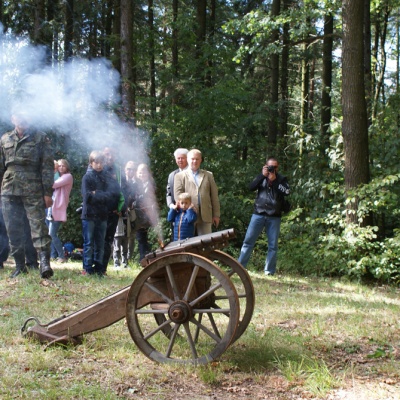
point(143, 243)
point(15, 211)
point(112, 223)
point(30, 251)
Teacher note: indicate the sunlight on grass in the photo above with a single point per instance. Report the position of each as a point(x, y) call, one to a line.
point(315, 375)
point(313, 336)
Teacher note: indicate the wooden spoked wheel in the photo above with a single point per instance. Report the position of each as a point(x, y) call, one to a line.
point(181, 289)
point(244, 288)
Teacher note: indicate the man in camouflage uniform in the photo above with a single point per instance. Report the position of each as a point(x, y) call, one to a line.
point(26, 175)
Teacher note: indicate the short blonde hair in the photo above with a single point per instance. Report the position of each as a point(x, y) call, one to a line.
point(96, 156)
point(185, 196)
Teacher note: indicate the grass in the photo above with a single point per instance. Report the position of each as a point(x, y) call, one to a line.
point(307, 338)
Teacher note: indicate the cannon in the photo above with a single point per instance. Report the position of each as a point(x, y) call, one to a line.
point(187, 305)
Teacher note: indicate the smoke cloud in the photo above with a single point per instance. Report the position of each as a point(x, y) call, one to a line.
point(74, 98)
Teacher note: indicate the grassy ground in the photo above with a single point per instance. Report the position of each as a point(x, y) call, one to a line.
point(308, 338)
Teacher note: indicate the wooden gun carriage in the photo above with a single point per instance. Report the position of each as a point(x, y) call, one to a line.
point(187, 305)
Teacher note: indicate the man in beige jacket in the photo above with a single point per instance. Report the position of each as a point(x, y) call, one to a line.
point(200, 184)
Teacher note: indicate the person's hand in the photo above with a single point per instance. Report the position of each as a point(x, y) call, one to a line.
point(216, 221)
point(48, 201)
point(265, 170)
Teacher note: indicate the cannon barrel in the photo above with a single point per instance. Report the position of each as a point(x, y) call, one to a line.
point(203, 245)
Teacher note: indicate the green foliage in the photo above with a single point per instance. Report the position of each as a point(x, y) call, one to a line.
point(328, 245)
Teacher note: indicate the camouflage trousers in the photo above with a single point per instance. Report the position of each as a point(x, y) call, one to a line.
point(15, 210)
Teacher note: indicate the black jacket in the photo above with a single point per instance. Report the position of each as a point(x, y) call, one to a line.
point(105, 198)
point(269, 200)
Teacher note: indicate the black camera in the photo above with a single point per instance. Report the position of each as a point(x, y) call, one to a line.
point(270, 168)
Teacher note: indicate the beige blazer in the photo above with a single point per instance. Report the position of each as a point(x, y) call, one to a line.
point(207, 191)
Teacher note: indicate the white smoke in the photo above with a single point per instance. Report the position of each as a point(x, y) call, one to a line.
point(73, 98)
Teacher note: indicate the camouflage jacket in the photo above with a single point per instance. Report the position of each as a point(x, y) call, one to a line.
point(26, 164)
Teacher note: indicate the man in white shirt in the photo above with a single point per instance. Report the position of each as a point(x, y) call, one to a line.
point(181, 161)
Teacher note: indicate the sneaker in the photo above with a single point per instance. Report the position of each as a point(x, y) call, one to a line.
point(116, 265)
point(61, 260)
point(85, 273)
point(125, 265)
point(268, 273)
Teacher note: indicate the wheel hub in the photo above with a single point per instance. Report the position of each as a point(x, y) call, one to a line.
point(180, 312)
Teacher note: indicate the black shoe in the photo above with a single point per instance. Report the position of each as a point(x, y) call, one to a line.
point(19, 270)
point(1, 266)
point(45, 270)
point(32, 266)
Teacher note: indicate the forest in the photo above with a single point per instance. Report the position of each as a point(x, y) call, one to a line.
point(314, 83)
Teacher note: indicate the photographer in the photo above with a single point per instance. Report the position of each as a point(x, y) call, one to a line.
point(268, 207)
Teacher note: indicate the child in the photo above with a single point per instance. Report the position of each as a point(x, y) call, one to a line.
point(184, 215)
point(121, 238)
point(100, 194)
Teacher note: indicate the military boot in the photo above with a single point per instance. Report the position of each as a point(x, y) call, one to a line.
point(45, 269)
point(20, 268)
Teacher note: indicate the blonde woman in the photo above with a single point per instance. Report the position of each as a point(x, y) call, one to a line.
point(62, 189)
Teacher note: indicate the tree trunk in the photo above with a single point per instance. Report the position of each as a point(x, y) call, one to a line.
point(116, 30)
point(69, 29)
point(304, 95)
point(381, 55)
point(274, 81)
point(283, 111)
point(398, 62)
point(211, 34)
point(367, 58)
point(128, 88)
point(152, 61)
point(42, 33)
point(175, 53)
point(355, 121)
point(201, 20)
point(326, 102)
point(53, 16)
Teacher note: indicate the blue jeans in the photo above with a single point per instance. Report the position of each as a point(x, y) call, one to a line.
point(56, 244)
point(272, 227)
point(93, 233)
